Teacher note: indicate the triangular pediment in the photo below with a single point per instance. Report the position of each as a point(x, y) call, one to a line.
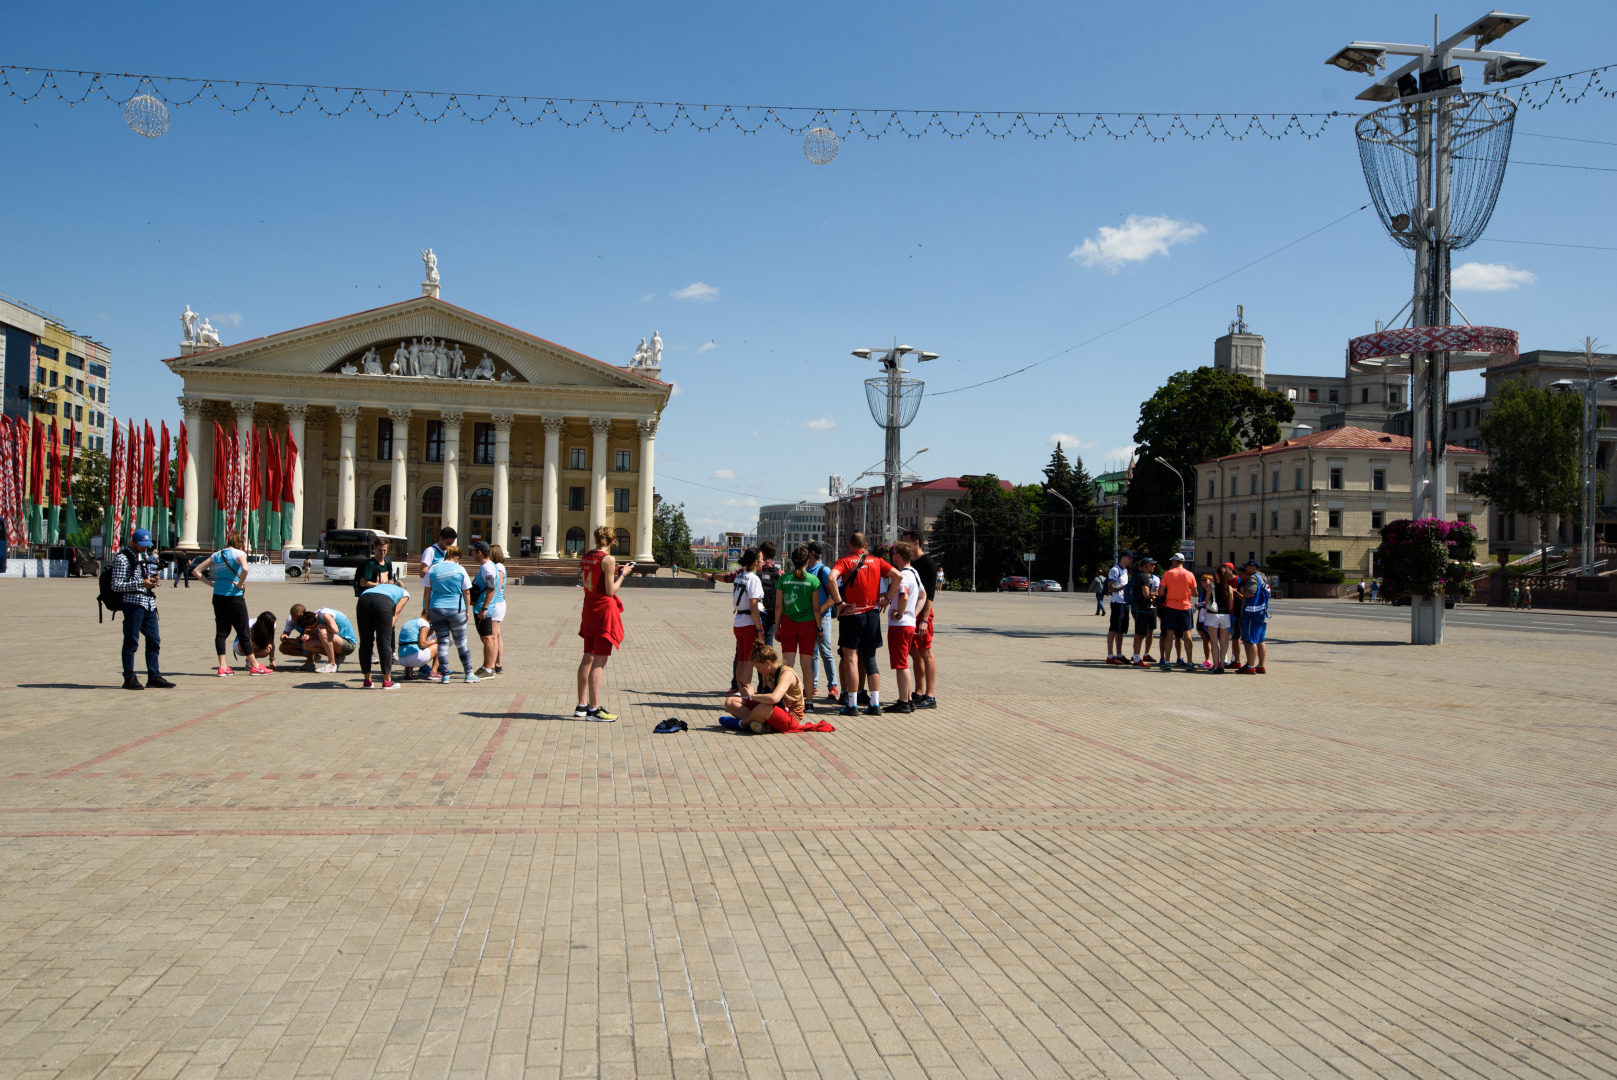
point(419, 325)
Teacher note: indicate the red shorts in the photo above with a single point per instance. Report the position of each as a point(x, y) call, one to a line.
point(746, 637)
point(599, 645)
point(900, 640)
point(779, 718)
point(796, 637)
point(923, 634)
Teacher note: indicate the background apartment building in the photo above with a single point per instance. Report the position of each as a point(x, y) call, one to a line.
point(51, 372)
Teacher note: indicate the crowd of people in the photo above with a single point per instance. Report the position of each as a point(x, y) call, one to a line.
point(1228, 608)
point(321, 639)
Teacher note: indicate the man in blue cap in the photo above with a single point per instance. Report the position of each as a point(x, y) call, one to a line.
point(134, 577)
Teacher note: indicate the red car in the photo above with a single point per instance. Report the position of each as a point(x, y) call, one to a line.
point(1015, 584)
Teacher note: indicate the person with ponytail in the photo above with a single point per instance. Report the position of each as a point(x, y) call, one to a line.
point(600, 624)
point(776, 705)
point(798, 611)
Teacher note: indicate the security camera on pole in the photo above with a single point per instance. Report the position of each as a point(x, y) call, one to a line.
point(1409, 152)
point(894, 401)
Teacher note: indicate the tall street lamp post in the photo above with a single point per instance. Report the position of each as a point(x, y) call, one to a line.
point(1072, 525)
point(1164, 463)
point(1587, 447)
point(893, 402)
point(973, 521)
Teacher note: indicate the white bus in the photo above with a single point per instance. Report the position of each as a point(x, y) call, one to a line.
point(347, 550)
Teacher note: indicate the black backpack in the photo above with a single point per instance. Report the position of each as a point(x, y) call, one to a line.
point(107, 600)
point(769, 576)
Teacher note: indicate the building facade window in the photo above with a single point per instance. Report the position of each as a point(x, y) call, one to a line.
point(98, 371)
point(1332, 396)
point(1392, 396)
point(575, 542)
point(575, 498)
point(1296, 519)
point(1210, 525)
point(623, 461)
point(1334, 558)
point(1297, 479)
point(1232, 522)
point(1252, 521)
point(432, 510)
point(1463, 483)
point(75, 362)
point(483, 444)
point(1378, 479)
point(1463, 516)
point(1313, 394)
point(384, 439)
point(1212, 488)
point(1274, 521)
point(1336, 478)
point(620, 500)
point(1252, 484)
point(1334, 520)
point(620, 543)
point(1378, 518)
point(1274, 480)
point(1364, 395)
point(45, 352)
point(580, 461)
point(435, 442)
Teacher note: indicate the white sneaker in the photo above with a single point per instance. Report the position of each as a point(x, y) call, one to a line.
point(327, 669)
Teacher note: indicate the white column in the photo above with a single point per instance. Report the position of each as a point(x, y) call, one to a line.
point(648, 508)
point(296, 414)
point(501, 528)
point(244, 436)
point(191, 408)
point(549, 523)
point(349, 415)
point(452, 419)
point(399, 507)
point(600, 428)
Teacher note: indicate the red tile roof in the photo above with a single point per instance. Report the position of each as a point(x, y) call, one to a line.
point(1342, 438)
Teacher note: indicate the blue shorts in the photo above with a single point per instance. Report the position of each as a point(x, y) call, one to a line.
point(1252, 630)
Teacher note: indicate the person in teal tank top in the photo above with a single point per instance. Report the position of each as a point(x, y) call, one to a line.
point(488, 605)
point(228, 568)
point(327, 633)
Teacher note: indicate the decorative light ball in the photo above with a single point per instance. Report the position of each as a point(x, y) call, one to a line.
point(146, 115)
point(820, 145)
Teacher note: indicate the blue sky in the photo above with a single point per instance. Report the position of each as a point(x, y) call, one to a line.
point(974, 248)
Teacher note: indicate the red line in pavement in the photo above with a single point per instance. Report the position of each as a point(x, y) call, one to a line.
point(692, 642)
point(836, 762)
point(555, 639)
point(124, 749)
point(731, 828)
point(1096, 742)
point(481, 768)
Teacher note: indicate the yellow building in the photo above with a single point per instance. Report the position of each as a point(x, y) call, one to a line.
point(61, 377)
point(1329, 491)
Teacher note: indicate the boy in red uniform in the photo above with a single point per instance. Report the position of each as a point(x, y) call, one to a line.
point(601, 624)
point(858, 577)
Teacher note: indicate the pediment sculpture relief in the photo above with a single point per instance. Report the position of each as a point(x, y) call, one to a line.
point(426, 358)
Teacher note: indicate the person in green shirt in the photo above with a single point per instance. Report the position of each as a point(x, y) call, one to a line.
point(797, 609)
point(376, 571)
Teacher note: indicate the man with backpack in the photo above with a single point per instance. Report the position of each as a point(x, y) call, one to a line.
point(1254, 604)
point(859, 576)
point(824, 651)
point(133, 580)
point(769, 574)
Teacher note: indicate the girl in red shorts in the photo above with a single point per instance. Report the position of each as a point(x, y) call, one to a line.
point(777, 703)
point(797, 620)
point(601, 625)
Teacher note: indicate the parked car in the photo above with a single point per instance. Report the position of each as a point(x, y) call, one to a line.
point(292, 559)
point(1015, 584)
point(1047, 586)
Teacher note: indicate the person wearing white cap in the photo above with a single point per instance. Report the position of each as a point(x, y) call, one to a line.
point(1178, 597)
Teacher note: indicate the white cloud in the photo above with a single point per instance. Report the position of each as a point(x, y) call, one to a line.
point(225, 318)
point(754, 433)
point(1136, 240)
point(676, 391)
point(706, 346)
point(696, 290)
point(724, 474)
point(1069, 442)
point(1118, 456)
point(740, 502)
point(1490, 277)
point(824, 423)
point(648, 296)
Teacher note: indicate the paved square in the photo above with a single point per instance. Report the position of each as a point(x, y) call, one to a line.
point(1065, 870)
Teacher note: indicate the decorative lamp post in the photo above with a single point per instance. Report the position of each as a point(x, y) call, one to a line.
point(1164, 463)
point(894, 400)
point(1072, 525)
point(973, 521)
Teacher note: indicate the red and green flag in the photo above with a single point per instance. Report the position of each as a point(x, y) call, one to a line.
point(180, 457)
point(163, 525)
point(36, 483)
point(221, 469)
point(53, 486)
point(70, 515)
point(287, 493)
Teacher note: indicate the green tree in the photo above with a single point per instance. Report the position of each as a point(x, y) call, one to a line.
point(89, 489)
point(1533, 434)
point(1007, 526)
point(1069, 479)
point(1200, 414)
point(671, 536)
point(1303, 566)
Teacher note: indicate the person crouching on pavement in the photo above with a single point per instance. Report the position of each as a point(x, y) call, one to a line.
point(776, 705)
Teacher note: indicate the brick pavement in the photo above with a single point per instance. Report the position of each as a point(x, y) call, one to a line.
point(1066, 870)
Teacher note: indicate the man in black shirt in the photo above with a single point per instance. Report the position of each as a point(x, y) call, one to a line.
point(925, 665)
point(377, 569)
point(768, 576)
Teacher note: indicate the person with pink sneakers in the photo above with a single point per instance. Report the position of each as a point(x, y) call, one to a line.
point(229, 570)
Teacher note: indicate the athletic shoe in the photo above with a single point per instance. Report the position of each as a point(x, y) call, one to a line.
point(1165, 666)
point(1220, 670)
point(1140, 663)
point(924, 702)
point(847, 710)
point(443, 679)
point(873, 710)
point(863, 698)
point(808, 704)
point(835, 695)
point(580, 712)
point(226, 671)
point(498, 670)
point(327, 669)
point(1259, 670)
point(1244, 670)
point(485, 673)
point(389, 684)
point(133, 683)
point(1185, 664)
point(1111, 659)
point(901, 707)
point(1148, 658)
point(600, 716)
point(470, 678)
point(157, 682)
point(1207, 665)
point(366, 685)
point(260, 669)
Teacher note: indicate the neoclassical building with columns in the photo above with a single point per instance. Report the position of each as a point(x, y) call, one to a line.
point(421, 414)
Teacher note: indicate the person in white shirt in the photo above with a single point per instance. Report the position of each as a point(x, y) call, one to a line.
point(906, 603)
point(435, 554)
point(1117, 580)
point(747, 602)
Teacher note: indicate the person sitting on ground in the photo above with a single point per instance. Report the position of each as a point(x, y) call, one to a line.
point(1142, 599)
point(417, 648)
point(777, 703)
point(327, 633)
point(262, 635)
